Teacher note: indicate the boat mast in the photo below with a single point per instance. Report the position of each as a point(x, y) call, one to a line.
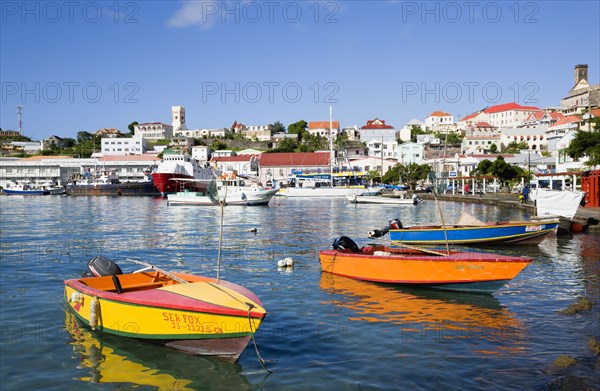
point(331, 157)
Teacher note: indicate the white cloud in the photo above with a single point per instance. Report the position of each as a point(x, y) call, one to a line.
point(195, 13)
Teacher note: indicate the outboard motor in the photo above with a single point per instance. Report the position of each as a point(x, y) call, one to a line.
point(393, 224)
point(344, 242)
point(416, 199)
point(101, 266)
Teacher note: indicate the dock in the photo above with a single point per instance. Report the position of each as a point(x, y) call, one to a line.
point(585, 220)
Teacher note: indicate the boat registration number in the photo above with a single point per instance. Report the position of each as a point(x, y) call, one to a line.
point(531, 228)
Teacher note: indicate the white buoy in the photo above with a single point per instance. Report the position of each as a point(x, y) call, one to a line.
point(289, 261)
point(281, 263)
point(94, 313)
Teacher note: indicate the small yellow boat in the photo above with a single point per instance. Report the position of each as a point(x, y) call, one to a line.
point(194, 314)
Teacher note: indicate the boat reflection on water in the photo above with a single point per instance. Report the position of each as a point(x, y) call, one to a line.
point(443, 314)
point(115, 360)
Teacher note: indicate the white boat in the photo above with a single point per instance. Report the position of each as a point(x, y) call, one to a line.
point(24, 188)
point(366, 199)
point(230, 189)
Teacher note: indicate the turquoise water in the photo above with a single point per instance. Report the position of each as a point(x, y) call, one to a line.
point(321, 332)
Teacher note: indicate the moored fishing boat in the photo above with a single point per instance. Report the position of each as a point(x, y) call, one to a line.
point(194, 314)
point(455, 270)
point(179, 172)
point(514, 232)
point(228, 188)
point(378, 199)
point(24, 189)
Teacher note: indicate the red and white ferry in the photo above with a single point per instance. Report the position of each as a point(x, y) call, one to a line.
point(178, 172)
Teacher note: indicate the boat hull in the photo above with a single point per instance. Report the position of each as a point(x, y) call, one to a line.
point(167, 183)
point(201, 317)
point(116, 189)
point(253, 198)
point(366, 199)
point(511, 232)
point(25, 192)
point(459, 271)
point(320, 191)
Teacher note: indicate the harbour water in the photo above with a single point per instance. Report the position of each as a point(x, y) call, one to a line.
point(321, 331)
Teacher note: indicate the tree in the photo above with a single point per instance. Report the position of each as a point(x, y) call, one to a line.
point(285, 145)
point(586, 144)
point(131, 127)
point(483, 168)
point(298, 128)
point(84, 136)
point(504, 171)
point(515, 147)
point(278, 127)
point(493, 148)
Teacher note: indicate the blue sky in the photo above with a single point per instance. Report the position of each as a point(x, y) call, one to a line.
point(82, 65)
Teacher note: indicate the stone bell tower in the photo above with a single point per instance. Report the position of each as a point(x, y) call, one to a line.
point(178, 118)
point(581, 72)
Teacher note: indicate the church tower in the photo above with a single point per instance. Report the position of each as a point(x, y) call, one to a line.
point(178, 118)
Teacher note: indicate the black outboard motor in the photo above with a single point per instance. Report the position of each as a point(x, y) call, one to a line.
point(393, 224)
point(344, 242)
point(101, 266)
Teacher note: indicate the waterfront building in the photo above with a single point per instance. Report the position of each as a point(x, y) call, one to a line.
point(153, 130)
point(277, 168)
point(223, 153)
point(245, 165)
point(64, 168)
point(123, 146)
point(583, 95)
point(479, 139)
point(373, 163)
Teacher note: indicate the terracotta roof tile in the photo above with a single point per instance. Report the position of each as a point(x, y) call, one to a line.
point(323, 124)
point(509, 106)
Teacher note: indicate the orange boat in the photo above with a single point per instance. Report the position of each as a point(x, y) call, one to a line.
point(463, 271)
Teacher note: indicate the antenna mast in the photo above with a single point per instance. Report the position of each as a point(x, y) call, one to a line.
point(20, 113)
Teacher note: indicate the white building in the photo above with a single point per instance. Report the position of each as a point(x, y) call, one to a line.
point(380, 138)
point(411, 153)
point(153, 131)
point(321, 128)
point(123, 146)
point(534, 137)
point(260, 132)
point(245, 165)
point(440, 121)
point(507, 115)
point(558, 130)
point(405, 133)
point(201, 153)
point(427, 139)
